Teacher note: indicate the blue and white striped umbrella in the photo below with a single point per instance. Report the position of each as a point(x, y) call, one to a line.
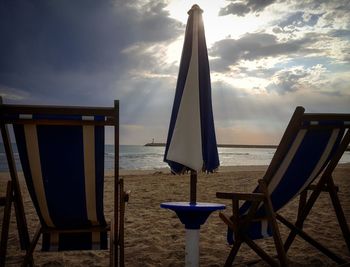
point(191, 143)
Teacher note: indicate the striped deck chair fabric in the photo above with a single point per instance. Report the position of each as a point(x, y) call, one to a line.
point(64, 171)
point(61, 150)
point(310, 145)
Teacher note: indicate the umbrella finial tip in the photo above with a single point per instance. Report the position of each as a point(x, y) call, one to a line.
point(195, 7)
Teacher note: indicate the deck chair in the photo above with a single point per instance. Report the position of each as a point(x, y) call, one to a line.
point(309, 151)
point(61, 150)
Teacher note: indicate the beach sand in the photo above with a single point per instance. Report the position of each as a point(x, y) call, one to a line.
point(155, 236)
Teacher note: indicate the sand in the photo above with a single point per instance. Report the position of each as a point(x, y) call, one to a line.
point(155, 237)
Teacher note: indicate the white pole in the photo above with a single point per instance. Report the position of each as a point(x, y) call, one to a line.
point(192, 248)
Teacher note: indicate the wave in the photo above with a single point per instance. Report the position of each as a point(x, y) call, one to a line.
point(149, 158)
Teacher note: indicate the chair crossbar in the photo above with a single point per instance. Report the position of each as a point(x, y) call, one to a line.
point(326, 117)
point(107, 122)
point(63, 110)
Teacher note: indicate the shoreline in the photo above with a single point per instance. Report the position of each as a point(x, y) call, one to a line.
point(221, 145)
point(228, 146)
point(166, 170)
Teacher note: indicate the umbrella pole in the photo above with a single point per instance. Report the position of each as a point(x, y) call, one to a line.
point(192, 248)
point(193, 187)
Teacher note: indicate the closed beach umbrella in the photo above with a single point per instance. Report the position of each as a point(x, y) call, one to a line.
point(191, 143)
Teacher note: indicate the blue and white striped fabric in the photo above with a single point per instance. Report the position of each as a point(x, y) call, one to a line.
point(308, 155)
point(64, 171)
point(191, 142)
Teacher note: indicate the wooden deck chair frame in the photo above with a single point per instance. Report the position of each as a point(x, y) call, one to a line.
point(6, 202)
point(325, 183)
point(117, 225)
point(13, 196)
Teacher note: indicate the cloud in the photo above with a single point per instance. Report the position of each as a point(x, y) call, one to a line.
point(289, 80)
point(324, 15)
point(254, 46)
point(317, 80)
point(12, 93)
point(59, 50)
point(300, 19)
point(263, 117)
point(238, 9)
point(88, 52)
point(341, 33)
point(241, 8)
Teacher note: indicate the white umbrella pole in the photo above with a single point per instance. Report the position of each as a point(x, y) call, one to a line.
point(192, 248)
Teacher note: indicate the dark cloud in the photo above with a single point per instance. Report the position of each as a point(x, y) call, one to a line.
point(325, 5)
point(341, 33)
point(70, 50)
point(241, 8)
point(287, 81)
point(296, 21)
point(238, 9)
point(259, 5)
point(312, 80)
point(300, 19)
point(253, 46)
point(332, 11)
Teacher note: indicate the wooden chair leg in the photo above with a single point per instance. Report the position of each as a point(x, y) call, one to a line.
point(236, 245)
point(17, 196)
point(292, 234)
point(311, 241)
point(275, 230)
point(121, 223)
point(21, 221)
point(117, 231)
point(6, 223)
point(303, 214)
point(28, 258)
point(339, 212)
point(112, 243)
point(231, 257)
point(331, 188)
point(261, 252)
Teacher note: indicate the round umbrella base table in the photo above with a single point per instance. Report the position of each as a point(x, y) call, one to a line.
point(192, 215)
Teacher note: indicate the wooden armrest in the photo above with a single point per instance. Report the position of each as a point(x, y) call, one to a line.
point(241, 196)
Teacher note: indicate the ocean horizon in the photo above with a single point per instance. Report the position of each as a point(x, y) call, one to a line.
point(140, 157)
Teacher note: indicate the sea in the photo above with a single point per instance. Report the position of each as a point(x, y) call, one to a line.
point(138, 157)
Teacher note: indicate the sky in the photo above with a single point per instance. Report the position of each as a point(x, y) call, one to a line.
point(266, 57)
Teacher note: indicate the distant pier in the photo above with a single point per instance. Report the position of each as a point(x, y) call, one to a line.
point(155, 144)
